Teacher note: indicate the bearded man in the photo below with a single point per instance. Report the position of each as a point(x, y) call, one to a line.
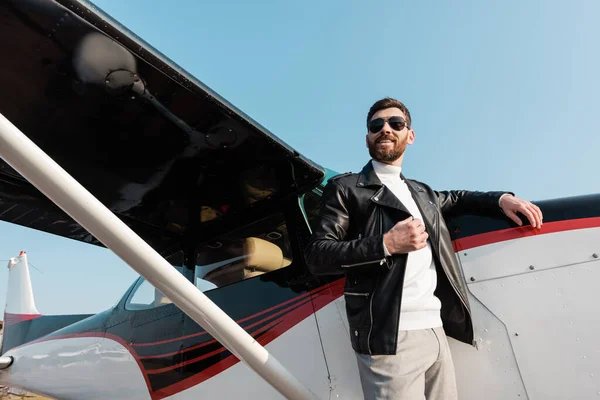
point(404, 288)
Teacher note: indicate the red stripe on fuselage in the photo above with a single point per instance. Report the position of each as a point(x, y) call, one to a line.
point(10, 319)
point(212, 353)
point(271, 316)
point(484, 239)
point(239, 322)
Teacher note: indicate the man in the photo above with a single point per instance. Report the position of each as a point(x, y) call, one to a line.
point(404, 288)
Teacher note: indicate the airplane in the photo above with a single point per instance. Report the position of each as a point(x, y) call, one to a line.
point(230, 207)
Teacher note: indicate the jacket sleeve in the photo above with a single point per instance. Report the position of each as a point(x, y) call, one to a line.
point(457, 202)
point(329, 250)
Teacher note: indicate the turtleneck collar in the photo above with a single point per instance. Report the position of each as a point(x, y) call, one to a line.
point(382, 169)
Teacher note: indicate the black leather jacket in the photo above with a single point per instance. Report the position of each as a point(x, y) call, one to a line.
point(356, 210)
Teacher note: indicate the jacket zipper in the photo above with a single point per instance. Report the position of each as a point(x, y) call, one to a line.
point(385, 259)
point(376, 284)
point(371, 315)
point(399, 308)
point(361, 263)
point(356, 294)
point(365, 262)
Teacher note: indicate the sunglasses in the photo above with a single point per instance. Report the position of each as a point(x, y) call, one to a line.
point(396, 123)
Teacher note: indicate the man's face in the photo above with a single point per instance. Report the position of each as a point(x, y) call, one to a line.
point(387, 145)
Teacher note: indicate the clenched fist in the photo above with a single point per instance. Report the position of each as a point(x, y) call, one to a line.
point(406, 236)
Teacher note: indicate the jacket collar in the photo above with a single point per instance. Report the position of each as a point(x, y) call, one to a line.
point(413, 187)
point(368, 177)
point(382, 196)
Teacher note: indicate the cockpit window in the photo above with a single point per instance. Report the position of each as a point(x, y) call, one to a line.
point(312, 205)
point(145, 296)
point(254, 250)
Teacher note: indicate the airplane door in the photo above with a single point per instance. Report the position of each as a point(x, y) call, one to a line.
point(156, 329)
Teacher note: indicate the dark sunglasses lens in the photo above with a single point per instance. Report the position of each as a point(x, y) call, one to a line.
point(376, 125)
point(397, 123)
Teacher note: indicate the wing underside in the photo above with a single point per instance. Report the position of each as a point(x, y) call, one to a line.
point(156, 146)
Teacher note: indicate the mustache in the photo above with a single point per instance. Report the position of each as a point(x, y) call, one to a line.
point(385, 137)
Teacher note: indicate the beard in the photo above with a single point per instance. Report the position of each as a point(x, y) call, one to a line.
point(387, 155)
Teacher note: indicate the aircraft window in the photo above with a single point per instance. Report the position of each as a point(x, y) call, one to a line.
point(256, 249)
point(145, 296)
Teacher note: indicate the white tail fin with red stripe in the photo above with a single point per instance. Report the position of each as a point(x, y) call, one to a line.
point(19, 299)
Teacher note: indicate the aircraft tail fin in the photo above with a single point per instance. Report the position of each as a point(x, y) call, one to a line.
point(22, 321)
point(20, 305)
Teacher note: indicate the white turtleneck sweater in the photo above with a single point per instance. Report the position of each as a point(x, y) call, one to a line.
point(420, 309)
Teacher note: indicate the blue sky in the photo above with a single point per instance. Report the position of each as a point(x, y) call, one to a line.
point(503, 96)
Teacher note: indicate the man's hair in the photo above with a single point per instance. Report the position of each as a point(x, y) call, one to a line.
point(388, 102)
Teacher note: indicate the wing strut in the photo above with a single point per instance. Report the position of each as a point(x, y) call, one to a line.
point(62, 189)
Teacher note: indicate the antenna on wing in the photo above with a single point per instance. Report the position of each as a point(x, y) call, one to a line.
point(36, 268)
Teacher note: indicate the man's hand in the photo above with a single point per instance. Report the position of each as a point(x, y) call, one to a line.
point(511, 205)
point(406, 236)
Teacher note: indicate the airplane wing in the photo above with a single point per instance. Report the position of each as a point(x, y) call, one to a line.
point(159, 148)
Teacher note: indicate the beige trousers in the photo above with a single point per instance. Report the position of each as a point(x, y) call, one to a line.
point(421, 368)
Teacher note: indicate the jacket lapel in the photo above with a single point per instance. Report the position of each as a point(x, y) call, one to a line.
point(428, 209)
point(385, 197)
point(382, 196)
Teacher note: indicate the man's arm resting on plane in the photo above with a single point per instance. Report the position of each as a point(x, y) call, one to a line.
point(328, 251)
point(456, 202)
